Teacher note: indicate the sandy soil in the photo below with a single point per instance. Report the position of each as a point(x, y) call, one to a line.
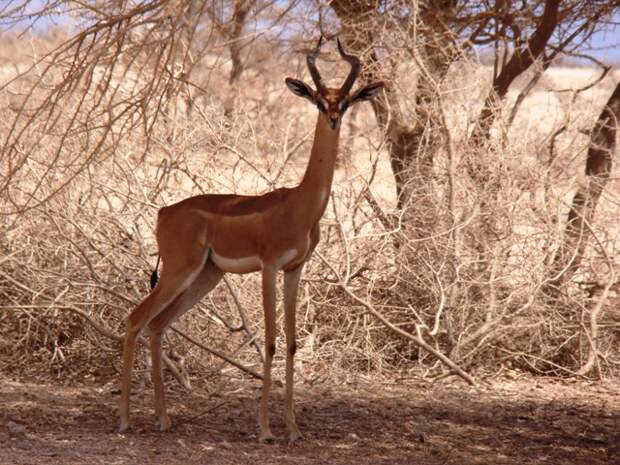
point(505, 422)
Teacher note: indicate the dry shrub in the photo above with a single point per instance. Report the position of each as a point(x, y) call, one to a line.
point(78, 245)
point(474, 284)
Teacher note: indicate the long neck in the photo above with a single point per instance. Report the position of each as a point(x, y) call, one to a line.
point(316, 184)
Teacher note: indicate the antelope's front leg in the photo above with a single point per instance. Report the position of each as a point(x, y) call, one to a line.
point(269, 307)
point(291, 284)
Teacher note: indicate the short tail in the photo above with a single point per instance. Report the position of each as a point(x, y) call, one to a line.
point(154, 275)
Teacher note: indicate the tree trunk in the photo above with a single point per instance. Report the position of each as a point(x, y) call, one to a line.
point(234, 36)
point(485, 177)
point(519, 62)
point(599, 164)
point(240, 13)
point(411, 146)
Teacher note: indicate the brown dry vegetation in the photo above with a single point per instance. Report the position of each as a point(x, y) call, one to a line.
point(122, 134)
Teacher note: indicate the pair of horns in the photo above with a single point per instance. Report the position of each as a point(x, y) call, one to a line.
point(356, 67)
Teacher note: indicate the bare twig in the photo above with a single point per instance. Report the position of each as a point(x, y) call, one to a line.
point(417, 341)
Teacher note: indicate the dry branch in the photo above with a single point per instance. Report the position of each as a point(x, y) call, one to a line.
point(520, 61)
point(416, 340)
point(219, 354)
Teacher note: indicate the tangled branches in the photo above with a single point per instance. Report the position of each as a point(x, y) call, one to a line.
point(129, 113)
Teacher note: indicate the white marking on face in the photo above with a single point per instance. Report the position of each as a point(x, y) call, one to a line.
point(236, 265)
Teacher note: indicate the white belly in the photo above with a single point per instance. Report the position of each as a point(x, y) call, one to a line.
point(251, 263)
point(236, 265)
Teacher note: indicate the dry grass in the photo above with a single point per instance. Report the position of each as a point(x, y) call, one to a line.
point(76, 226)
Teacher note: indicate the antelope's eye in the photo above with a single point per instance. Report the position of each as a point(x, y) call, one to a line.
point(342, 105)
point(321, 106)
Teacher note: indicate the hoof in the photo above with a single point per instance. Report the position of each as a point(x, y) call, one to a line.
point(164, 423)
point(124, 426)
point(295, 438)
point(267, 438)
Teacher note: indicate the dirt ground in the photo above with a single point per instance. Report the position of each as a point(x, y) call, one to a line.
point(503, 422)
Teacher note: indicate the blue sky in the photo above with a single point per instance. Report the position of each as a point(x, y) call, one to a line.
point(605, 45)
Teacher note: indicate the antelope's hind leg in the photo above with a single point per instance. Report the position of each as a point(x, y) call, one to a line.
point(205, 282)
point(181, 267)
point(156, 302)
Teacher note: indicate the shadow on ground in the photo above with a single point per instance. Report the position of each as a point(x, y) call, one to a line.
point(508, 422)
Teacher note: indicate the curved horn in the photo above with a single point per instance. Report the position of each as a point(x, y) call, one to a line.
point(314, 72)
point(356, 67)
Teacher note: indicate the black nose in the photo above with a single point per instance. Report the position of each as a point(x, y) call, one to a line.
point(333, 122)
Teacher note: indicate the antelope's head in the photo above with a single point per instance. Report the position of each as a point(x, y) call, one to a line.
point(333, 103)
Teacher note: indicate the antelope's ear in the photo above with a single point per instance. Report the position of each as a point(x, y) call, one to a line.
point(300, 88)
point(368, 92)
